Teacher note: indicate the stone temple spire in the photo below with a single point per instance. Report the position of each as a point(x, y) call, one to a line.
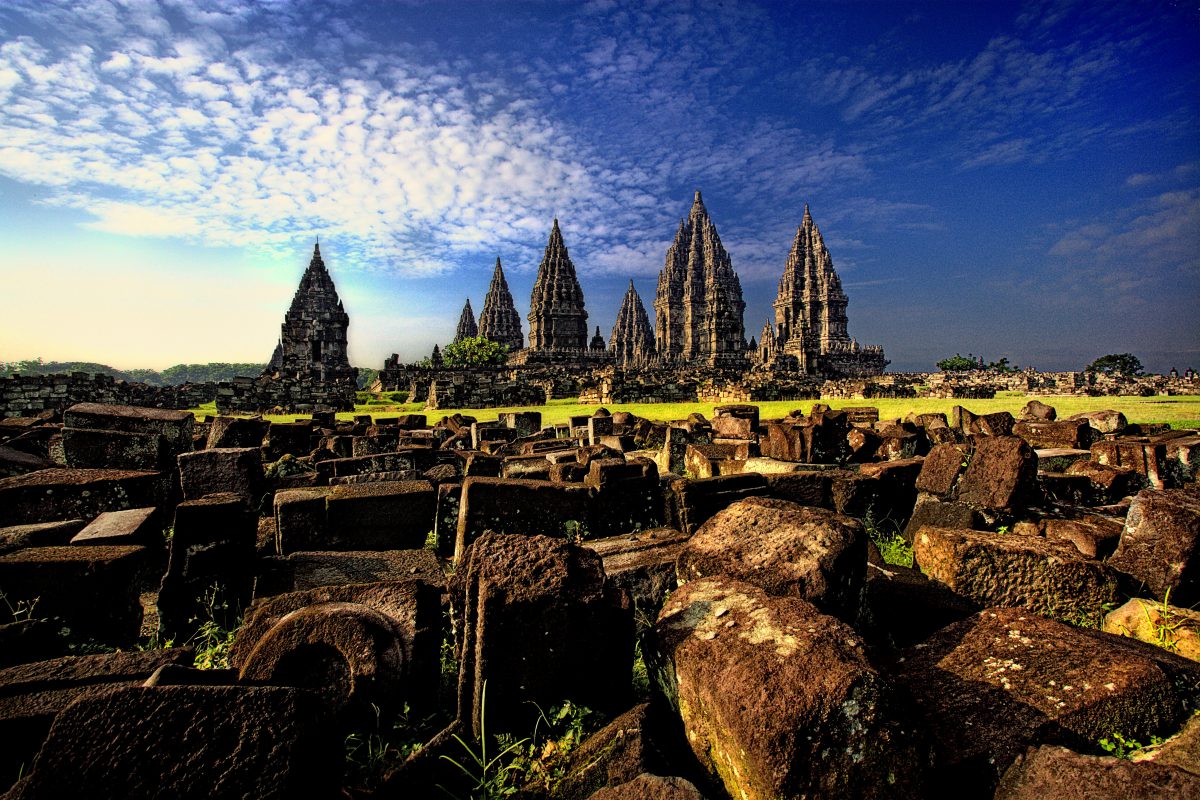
point(597, 342)
point(466, 324)
point(557, 318)
point(313, 338)
point(499, 320)
point(810, 309)
point(632, 340)
point(698, 305)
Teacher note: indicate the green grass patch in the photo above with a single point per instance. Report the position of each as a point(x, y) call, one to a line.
point(1180, 411)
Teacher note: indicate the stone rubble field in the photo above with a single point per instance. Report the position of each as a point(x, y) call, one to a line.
point(829, 605)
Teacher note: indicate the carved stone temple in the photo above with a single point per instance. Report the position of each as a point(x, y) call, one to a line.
point(558, 329)
point(467, 329)
point(698, 305)
point(499, 320)
point(312, 344)
point(632, 340)
point(810, 331)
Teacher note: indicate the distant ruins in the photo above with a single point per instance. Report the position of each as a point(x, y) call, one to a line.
point(697, 338)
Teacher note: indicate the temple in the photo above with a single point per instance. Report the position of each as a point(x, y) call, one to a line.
point(632, 340)
point(467, 329)
point(810, 331)
point(312, 344)
point(499, 321)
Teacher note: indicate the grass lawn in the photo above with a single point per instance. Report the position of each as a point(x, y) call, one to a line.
point(1180, 411)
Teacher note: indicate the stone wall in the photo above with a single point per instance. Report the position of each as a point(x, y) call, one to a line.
point(28, 395)
point(283, 395)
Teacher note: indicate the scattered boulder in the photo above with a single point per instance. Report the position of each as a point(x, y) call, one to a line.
point(188, 742)
point(650, 787)
point(1006, 679)
point(575, 635)
point(1160, 545)
point(779, 701)
point(1175, 629)
point(1063, 774)
point(1037, 410)
point(1015, 570)
point(1001, 476)
point(784, 549)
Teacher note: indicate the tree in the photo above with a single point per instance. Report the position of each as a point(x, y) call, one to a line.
point(958, 363)
point(475, 351)
point(1125, 364)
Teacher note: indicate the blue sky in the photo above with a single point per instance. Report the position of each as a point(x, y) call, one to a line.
point(1009, 179)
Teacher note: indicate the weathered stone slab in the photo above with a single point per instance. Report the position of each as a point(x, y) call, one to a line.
point(32, 694)
point(39, 534)
point(1093, 535)
point(1147, 460)
point(642, 564)
point(224, 469)
point(1015, 570)
point(1160, 545)
point(300, 520)
point(93, 590)
point(135, 526)
point(1109, 484)
point(779, 700)
point(383, 515)
point(1063, 774)
point(519, 507)
point(237, 432)
point(693, 502)
point(1001, 476)
point(211, 565)
point(784, 549)
point(576, 635)
point(1176, 629)
point(188, 742)
point(312, 570)
point(1068, 434)
point(128, 437)
point(1007, 679)
point(56, 494)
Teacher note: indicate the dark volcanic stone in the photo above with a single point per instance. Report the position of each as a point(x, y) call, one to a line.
point(1062, 774)
point(779, 700)
point(188, 742)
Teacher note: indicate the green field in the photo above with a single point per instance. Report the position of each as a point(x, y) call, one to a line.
point(1178, 411)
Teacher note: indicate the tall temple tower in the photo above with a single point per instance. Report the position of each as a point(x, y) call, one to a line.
point(313, 339)
point(810, 314)
point(632, 340)
point(698, 306)
point(557, 318)
point(467, 329)
point(499, 320)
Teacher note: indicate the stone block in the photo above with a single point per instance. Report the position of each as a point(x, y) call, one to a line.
point(1068, 434)
point(783, 549)
point(1145, 459)
point(1160, 545)
point(1014, 570)
point(288, 438)
point(692, 502)
point(1094, 536)
point(576, 636)
point(93, 590)
point(39, 534)
point(1061, 773)
point(34, 694)
point(1001, 476)
point(174, 427)
point(519, 507)
point(300, 520)
point(77, 493)
point(641, 563)
point(312, 570)
point(384, 515)
point(237, 432)
point(211, 565)
point(779, 700)
point(525, 423)
point(135, 526)
point(238, 470)
point(178, 741)
point(1003, 680)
